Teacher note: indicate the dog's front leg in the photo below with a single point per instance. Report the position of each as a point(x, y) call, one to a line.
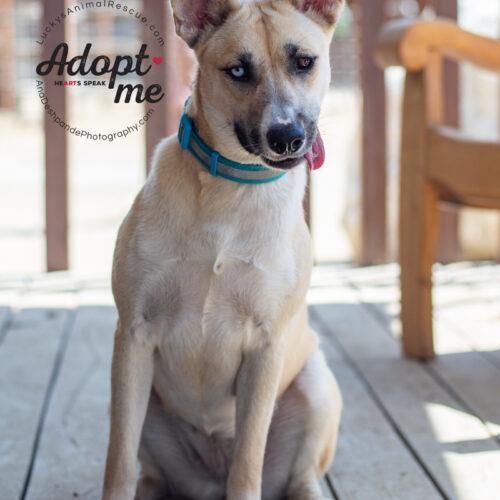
point(256, 392)
point(131, 379)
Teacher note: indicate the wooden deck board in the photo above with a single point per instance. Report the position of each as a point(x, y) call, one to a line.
point(325, 490)
point(70, 459)
point(388, 469)
point(474, 316)
point(27, 357)
point(409, 430)
point(6, 316)
point(451, 443)
point(467, 326)
point(11, 292)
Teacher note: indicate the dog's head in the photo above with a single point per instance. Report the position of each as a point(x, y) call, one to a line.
point(263, 72)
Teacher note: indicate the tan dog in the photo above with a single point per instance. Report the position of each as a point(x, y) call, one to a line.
point(218, 383)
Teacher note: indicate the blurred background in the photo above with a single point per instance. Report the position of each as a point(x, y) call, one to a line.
point(353, 199)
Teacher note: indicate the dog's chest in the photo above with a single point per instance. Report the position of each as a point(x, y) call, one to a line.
point(219, 285)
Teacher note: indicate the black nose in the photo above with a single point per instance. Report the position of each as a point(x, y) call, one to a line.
point(284, 139)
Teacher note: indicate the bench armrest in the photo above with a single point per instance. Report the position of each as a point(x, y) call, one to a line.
point(410, 43)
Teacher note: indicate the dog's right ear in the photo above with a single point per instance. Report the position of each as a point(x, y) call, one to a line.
point(195, 20)
point(325, 12)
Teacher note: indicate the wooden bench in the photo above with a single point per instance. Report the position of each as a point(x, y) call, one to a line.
point(438, 164)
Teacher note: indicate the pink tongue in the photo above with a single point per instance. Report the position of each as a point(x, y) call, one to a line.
point(316, 157)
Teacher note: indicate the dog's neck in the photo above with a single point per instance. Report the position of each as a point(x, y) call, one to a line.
point(217, 151)
point(273, 200)
point(198, 109)
point(197, 113)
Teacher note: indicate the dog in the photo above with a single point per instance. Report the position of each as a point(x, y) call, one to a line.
point(219, 386)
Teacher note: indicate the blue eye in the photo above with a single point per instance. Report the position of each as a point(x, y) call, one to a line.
point(237, 72)
point(241, 71)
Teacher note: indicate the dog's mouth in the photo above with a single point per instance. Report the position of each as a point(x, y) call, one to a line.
point(284, 164)
point(314, 155)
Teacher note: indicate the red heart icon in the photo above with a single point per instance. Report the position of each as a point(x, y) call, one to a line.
point(157, 60)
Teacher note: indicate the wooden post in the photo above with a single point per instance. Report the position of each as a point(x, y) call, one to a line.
point(156, 126)
point(7, 55)
point(56, 157)
point(449, 245)
point(370, 14)
point(181, 69)
point(174, 74)
point(498, 133)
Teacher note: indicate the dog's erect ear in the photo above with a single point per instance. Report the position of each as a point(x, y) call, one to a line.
point(325, 12)
point(196, 19)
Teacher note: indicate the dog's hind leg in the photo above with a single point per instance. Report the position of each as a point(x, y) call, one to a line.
point(171, 456)
point(322, 404)
point(151, 487)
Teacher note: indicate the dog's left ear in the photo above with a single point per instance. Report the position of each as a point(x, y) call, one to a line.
point(324, 12)
point(195, 20)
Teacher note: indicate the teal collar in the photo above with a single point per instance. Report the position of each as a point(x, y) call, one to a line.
point(218, 165)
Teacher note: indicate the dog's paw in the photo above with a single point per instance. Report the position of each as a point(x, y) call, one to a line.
point(306, 492)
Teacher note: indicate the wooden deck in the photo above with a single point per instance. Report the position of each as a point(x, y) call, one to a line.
point(409, 430)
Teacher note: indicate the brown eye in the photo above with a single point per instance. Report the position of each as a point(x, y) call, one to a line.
point(304, 63)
